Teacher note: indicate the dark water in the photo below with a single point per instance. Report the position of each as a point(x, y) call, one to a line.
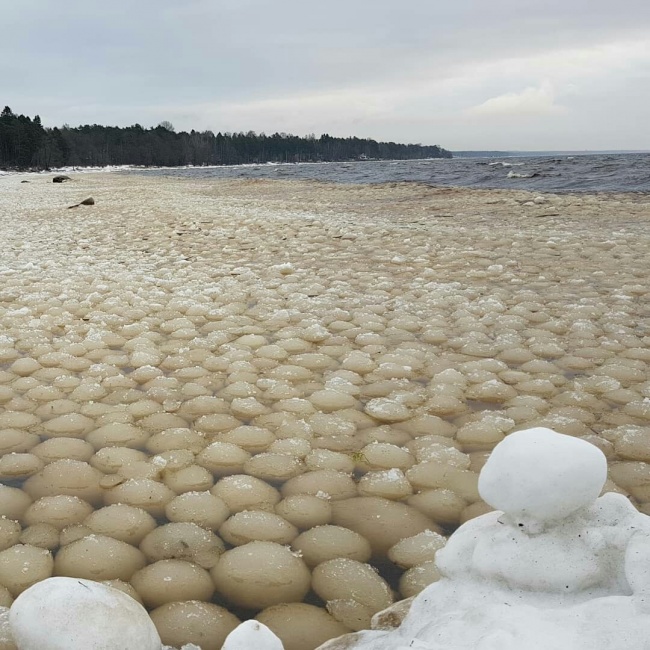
point(587, 173)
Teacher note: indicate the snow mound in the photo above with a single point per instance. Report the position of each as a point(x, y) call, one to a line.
point(558, 567)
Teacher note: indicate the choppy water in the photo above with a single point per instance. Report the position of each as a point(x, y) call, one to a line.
point(593, 173)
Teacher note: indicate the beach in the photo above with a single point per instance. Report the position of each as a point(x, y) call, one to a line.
point(365, 346)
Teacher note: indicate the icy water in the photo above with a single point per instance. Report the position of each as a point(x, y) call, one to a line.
point(593, 173)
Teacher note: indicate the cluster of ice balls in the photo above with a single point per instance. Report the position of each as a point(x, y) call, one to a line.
point(129, 328)
point(553, 552)
point(555, 566)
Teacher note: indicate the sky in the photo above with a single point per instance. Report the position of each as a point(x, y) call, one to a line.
point(465, 74)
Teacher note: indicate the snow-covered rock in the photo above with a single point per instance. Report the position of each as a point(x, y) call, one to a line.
point(557, 567)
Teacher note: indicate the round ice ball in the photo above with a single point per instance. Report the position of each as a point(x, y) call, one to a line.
point(261, 574)
point(257, 525)
point(301, 626)
point(305, 510)
point(60, 510)
point(347, 579)
point(324, 543)
point(167, 581)
point(121, 521)
point(541, 475)
point(98, 557)
point(63, 613)
point(202, 508)
point(23, 565)
point(183, 541)
point(381, 521)
point(193, 621)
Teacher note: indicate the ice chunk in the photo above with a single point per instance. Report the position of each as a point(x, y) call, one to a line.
point(252, 635)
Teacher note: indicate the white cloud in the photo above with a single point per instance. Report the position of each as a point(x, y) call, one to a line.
point(530, 102)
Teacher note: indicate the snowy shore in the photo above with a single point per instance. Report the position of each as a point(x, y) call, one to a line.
point(350, 350)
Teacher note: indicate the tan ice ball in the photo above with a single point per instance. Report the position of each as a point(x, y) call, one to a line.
point(23, 565)
point(68, 425)
point(167, 581)
point(6, 599)
point(442, 506)
point(223, 458)
point(192, 478)
point(300, 626)
point(331, 400)
point(418, 578)
point(110, 459)
point(19, 466)
point(274, 466)
point(59, 511)
point(415, 550)
point(98, 557)
point(345, 579)
point(59, 448)
point(9, 533)
point(124, 587)
point(71, 477)
point(324, 543)
point(13, 502)
point(121, 521)
point(337, 485)
point(257, 525)
point(204, 624)
point(41, 535)
point(141, 493)
point(177, 438)
point(249, 438)
point(118, 434)
point(202, 508)
point(305, 511)
point(381, 521)
point(351, 613)
point(388, 483)
point(17, 441)
point(240, 492)
point(183, 541)
point(261, 574)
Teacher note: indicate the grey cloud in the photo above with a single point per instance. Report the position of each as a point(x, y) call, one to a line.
point(127, 61)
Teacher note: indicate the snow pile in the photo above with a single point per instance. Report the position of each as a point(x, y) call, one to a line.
point(557, 567)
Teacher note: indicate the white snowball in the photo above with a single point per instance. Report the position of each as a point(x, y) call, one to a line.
point(64, 613)
point(540, 475)
point(252, 635)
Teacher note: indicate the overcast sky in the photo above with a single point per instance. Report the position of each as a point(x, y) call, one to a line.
point(465, 74)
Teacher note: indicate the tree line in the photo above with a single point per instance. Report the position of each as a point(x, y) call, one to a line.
point(26, 144)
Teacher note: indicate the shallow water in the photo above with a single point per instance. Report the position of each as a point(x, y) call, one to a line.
point(322, 319)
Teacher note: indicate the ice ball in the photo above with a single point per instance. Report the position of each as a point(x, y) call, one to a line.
point(63, 613)
point(261, 574)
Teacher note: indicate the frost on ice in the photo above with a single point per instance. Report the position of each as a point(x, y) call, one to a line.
point(556, 567)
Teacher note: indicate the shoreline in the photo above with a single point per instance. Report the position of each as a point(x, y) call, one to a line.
point(320, 322)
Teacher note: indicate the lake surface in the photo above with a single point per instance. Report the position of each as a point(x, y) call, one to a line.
point(581, 173)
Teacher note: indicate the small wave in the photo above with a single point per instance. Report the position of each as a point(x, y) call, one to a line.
point(512, 174)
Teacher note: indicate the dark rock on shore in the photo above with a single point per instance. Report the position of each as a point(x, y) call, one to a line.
point(61, 179)
point(88, 201)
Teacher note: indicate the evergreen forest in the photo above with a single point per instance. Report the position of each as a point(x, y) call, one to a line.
point(26, 144)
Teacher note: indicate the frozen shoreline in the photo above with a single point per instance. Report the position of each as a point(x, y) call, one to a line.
point(338, 320)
